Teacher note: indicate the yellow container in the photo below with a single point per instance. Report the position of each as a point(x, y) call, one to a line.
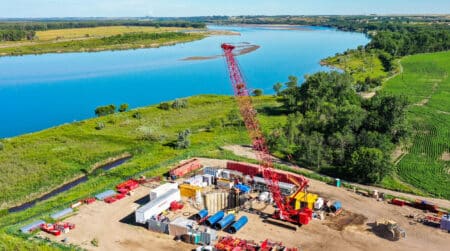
point(189, 191)
point(305, 200)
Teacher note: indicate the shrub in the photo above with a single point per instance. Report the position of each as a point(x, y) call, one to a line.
point(151, 134)
point(2, 146)
point(137, 115)
point(183, 141)
point(179, 103)
point(257, 92)
point(105, 110)
point(100, 126)
point(164, 106)
point(123, 107)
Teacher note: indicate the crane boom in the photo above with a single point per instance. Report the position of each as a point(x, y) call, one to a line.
point(241, 92)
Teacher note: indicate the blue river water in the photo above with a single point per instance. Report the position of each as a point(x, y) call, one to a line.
point(42, 91)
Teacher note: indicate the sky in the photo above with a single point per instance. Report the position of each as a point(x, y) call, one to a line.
point(177, 8)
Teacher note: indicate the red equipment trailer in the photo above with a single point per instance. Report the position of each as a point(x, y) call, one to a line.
point(127, 186)
point(51, 229)
point(284, 210)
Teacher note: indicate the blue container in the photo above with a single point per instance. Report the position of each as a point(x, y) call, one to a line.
point(238, 224)
point(336, 206)
point(243, 188)
point(224, 222)
point(201, 214)
point(215, 218)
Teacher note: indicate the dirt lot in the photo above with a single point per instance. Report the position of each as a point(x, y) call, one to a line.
point(111, 225)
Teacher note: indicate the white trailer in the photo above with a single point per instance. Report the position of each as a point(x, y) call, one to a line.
point(157, 206)
point(162, 189)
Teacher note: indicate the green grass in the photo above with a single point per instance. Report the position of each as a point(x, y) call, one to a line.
point(359, 64)
point(116, 42)
point(36, 163)
point(426, 83)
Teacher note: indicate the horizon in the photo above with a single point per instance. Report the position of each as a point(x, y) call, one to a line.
point(196, 8)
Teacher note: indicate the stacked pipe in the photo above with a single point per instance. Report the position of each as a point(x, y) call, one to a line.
point(225, 222)
point(238, 224)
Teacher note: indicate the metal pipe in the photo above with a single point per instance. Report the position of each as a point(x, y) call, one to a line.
point(224, 222)
point(238, 224)
point(215, 218)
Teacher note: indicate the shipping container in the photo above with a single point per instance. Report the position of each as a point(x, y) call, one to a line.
point(209, 179)
point(211, 171)
point(245, 168)
point(158, 226)
point(286, 189)
point(224, 184)
point(189, 191)
point(185, 167)
point(156, 206)
point(180, 226)
point(162, 189)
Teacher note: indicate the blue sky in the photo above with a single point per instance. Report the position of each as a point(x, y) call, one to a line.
point(121, 8)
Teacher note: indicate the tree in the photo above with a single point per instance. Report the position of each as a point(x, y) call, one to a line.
point(293, 82)
point(277, 88)
point(183, 141)
point(105, 110)
point(257, 92)
point(123, 107)
point(369, 165)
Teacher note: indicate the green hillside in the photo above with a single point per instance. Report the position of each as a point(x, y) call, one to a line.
point(425, 162)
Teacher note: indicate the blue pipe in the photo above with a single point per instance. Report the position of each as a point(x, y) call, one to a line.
point(224, 222)
point(201, 214)
point(215, 218)
point(238, 224)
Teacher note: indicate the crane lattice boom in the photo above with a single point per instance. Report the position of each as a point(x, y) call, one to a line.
point(248, 113)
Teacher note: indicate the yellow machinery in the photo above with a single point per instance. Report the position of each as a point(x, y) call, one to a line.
point(303, 199)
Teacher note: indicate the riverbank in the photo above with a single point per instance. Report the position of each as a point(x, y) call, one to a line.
point(124, 41)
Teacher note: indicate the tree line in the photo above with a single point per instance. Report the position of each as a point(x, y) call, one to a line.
point(16, 31)
point(333, 130)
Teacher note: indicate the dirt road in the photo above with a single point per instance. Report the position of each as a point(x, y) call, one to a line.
point(247, 152)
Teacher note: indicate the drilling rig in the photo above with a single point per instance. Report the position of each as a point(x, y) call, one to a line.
point(284, 208)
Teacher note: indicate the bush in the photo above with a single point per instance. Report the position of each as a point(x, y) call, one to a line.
point(137, 115)
point(105, 110)
point(151, 134)
point(179, 103)
point(123, 107)
point(100, 126)
point(2, 146)
point(164, 106)
point(183, 141)
point(257, 92)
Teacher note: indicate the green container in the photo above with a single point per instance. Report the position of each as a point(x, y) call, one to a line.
point(338, 182)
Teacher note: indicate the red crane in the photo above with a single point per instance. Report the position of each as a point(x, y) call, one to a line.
point(285, 209)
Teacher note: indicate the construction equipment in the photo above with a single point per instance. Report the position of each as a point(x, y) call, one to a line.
point(397, 232)
point(284, 210)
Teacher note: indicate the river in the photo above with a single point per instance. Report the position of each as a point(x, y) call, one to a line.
point(42, 91)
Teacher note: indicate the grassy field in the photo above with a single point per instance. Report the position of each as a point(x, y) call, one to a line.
point(41, 161)
point(82, 33)
point(98, 39)
point(426, 160)
point(359, 64)
point(36, 163)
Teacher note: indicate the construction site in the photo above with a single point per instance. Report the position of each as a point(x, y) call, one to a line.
point(212, 204)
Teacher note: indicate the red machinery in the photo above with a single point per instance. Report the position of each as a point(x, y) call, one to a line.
point(285, 210)
point(57, 228)
point(127, 186)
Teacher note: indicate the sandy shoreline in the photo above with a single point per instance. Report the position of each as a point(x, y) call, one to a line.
point(242, 49)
